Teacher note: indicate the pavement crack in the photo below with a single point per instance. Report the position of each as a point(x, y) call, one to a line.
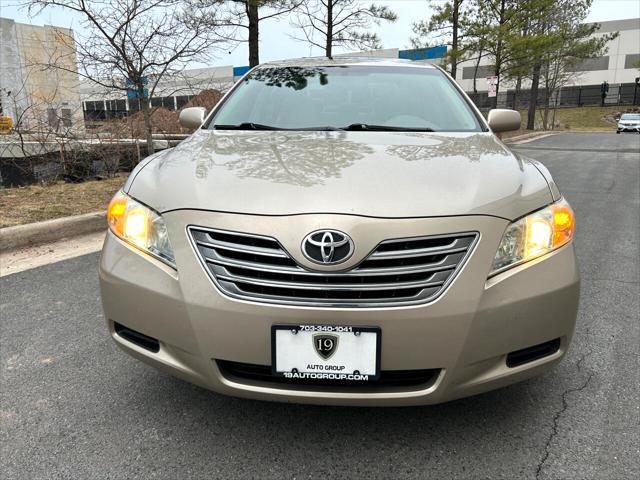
point(628, 282)
point(558, 415)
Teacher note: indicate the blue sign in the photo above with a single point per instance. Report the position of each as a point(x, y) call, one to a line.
point(133, 93)
point(424, 53)
point(240, 71)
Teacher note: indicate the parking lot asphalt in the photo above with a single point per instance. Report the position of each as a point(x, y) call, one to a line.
point(74, 406)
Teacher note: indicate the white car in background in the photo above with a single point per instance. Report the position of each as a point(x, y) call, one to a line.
point(629, 122)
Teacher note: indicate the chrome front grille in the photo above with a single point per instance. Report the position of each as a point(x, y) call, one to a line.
point(397, 272)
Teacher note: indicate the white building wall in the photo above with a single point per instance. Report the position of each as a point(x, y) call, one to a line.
point(34, 93)
point(12, 90)
point(381, 53)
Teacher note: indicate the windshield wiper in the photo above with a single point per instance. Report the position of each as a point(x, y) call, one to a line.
point(352, 127)
point(259, 126)
point(245, 126)
point(385, 128)
point(320, 129)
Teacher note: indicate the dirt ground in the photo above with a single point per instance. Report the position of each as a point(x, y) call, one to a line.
point(35, 203)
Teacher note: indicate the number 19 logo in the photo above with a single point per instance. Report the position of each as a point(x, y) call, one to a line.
point(325, 345)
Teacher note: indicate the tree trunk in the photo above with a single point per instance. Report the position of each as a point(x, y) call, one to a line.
point(516, 93)
point(65, 167)
point(533, 97)
point(329, 46)
point(494, 100)
point(254, 33)
point(498, 55)
point(146, 115)
point(454, 40)
point(545, 117)
point(475, 71)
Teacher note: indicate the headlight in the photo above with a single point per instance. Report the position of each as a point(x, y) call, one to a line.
point(140, 226)
point(534, 235)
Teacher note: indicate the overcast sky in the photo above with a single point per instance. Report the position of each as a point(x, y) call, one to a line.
point(275, 40)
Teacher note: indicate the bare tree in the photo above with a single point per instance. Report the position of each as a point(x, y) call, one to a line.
point(244, 17)
point(132, 45)
point(45, 134)
point(48, 138)
point(29, 134)
point(340, 23)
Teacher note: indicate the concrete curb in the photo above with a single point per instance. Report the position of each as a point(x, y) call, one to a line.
point(51, 230)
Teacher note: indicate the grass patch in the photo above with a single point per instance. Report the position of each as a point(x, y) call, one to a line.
point(587, 118)
point(583, 119)
point(36, 203)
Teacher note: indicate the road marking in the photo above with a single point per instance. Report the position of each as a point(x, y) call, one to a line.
point(527, 140)
point(27, 258)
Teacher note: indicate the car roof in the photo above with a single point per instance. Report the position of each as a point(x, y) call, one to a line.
point(346, 61)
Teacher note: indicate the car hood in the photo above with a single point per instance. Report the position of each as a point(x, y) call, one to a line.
point(380, 174)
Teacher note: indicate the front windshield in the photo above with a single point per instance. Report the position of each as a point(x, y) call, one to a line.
point(337, 97)
point(630, 116)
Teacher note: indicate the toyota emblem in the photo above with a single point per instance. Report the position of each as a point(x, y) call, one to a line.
point(327, 247)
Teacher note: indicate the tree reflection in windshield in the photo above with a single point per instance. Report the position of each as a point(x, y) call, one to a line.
point(291, 77)
point(312, 97)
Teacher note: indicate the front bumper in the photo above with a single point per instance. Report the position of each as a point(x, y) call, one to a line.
point(629, 128)
point(466, 333)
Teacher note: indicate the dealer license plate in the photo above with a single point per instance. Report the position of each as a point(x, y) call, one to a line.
point(326, 352)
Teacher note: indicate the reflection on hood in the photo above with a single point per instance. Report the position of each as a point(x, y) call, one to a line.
point(392, 174)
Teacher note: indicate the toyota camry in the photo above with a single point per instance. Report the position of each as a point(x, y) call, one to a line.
point(347, 232)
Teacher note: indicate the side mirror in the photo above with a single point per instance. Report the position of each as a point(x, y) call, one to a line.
point(503, 120)
point(192, 117)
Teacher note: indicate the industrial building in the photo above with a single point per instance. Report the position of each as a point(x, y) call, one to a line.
point(172, 93)
point(34, 95)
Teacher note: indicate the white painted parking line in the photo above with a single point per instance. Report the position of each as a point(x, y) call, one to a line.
point(527, 140)
point(27, 258)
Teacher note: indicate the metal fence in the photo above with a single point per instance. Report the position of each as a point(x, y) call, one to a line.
point(575, 96)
